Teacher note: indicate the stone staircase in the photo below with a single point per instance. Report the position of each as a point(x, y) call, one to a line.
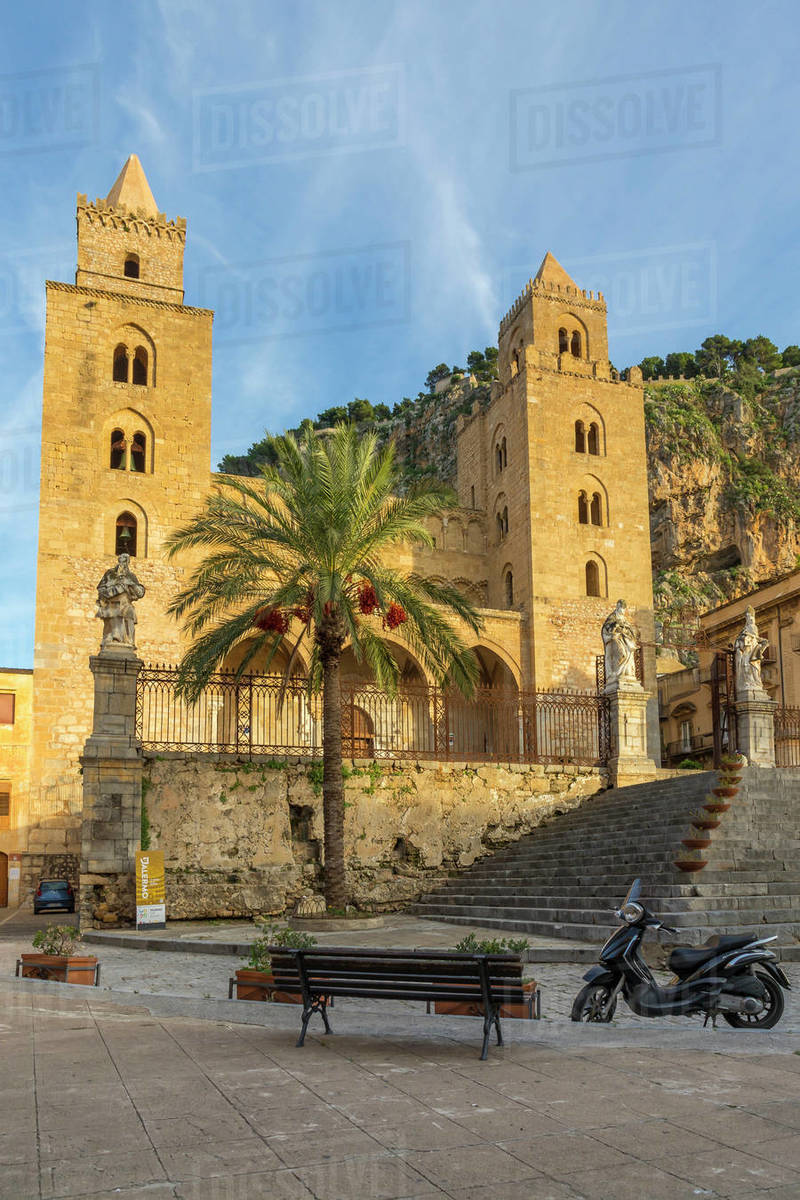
point(564, 880)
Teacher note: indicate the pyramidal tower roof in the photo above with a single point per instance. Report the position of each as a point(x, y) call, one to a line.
point(551, 271)
point(132, 191)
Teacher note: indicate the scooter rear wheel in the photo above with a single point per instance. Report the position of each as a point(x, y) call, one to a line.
point(772, 1011)
point(590, 1002)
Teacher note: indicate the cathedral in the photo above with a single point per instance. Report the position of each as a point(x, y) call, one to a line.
point(552, 524)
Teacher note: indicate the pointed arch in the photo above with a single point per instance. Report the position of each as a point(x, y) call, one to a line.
point(595, 576)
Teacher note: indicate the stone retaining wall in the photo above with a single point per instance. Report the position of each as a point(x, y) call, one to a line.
point(247, 837)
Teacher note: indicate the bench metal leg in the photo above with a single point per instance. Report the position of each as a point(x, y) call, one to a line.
point(318, 1004)
point(497, 1027)
point(487, 1029)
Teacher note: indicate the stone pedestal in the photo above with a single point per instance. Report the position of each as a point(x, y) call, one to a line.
point(112, 788)
point(755, 728)
point(629, 763)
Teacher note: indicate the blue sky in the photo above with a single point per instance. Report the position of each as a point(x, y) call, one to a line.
point(368, 185)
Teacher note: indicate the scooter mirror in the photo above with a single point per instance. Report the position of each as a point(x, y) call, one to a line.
point(634, 892)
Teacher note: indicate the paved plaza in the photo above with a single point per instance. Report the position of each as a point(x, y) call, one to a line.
point(108, 1093)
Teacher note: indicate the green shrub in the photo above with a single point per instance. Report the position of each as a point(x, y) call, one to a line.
point(273, 935)
point(690, 764)
point(471, 945)
point(57, 939)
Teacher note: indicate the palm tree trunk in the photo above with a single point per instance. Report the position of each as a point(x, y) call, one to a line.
point(332, 783)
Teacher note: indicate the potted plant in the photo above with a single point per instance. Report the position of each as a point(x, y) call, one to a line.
point(692, 862)
point(704, 820)
point(256, 981)
point(56, 959)
point(471, 945)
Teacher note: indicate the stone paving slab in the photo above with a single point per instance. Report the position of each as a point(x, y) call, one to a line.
point(119, 1100)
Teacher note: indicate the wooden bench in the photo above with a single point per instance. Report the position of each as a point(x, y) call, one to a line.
point(320, 975)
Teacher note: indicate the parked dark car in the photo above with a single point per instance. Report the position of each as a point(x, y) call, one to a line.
point(54, 893)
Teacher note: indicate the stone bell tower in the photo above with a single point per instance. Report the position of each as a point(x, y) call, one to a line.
point(559, 460)
point(126, 433)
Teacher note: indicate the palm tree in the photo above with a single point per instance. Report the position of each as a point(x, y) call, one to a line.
point(306, 547)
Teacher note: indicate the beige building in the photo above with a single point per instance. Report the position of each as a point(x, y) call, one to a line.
point(685, 696)
point(553, 520)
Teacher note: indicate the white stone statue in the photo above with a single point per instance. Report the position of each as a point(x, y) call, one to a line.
point(619, 644)
point(116, 593)
point(748, 651)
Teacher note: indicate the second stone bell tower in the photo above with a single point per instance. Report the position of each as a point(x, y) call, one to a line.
point(559, 462)
point(126, 444)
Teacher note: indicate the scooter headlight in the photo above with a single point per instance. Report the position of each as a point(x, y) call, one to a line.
point(630, 913)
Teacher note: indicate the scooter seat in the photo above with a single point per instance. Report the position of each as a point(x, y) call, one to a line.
point(684, 959)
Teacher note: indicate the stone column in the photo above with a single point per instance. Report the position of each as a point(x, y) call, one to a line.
point(112, 790)
point(755, 729)
point(629, 763)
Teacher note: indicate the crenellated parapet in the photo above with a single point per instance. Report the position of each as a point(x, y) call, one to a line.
point(550, 289)
point(120, 217)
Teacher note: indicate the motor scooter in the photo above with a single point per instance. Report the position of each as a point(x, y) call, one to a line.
point(734, 977)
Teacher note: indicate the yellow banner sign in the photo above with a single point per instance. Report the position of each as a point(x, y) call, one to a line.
point(150, 893)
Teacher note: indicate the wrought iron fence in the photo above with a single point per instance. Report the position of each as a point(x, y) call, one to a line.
point(259, 715)
point(787, 736)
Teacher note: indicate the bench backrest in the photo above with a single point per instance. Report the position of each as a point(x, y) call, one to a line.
point(399, 974)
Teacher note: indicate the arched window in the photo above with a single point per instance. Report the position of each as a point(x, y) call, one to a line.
point(580, 438)
point(504, 452)
point(139, 452)
point(515, 362)
point(126, 534)
point(563, 341)
point(592, 578)
point(575, 344)
point(505, 521)
point(597, 509)
point(499, 520)
point(509, 589)
point(472, 496)
point(594, 439)
point(583, 509)
point(132, 266)
point(120, 374)
point(140, 366)
point(118, 448)
point(498, 458)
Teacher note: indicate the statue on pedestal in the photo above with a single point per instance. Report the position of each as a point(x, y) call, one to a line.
point(748, 652)
point(116, 593)
point(619, 643)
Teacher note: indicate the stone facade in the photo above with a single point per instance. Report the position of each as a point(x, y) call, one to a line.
point(240, 838)
point(125, 459)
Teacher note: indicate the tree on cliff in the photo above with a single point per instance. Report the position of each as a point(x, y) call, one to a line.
point(303, 554)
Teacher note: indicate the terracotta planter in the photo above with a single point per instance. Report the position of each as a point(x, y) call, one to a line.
point(63, 968)
point(708, 822)
point(691, 864)
point(726, 780)
point(696, 843)
point(458, 1008)
point(716, 806)
point(260, 985)
point(725, 791)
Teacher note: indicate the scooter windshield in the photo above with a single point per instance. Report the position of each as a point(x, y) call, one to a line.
point(634, 892)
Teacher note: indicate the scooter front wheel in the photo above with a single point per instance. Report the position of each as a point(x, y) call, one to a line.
point(590, 1003)
point(771, 1013)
